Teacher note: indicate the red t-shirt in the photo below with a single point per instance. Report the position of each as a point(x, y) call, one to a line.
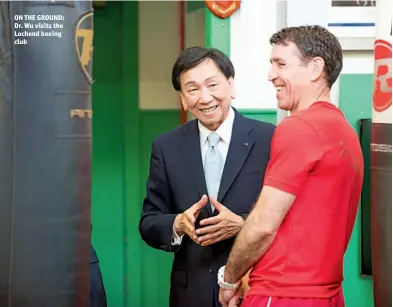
point(315, 155)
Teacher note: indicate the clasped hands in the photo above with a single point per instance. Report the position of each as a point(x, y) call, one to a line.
point(214, 229)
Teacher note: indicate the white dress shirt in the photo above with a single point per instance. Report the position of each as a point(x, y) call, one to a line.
point(225, 134)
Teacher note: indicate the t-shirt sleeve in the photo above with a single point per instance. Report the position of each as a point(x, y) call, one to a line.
point(296, 149)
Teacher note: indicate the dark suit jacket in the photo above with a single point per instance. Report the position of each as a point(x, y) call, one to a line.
point(176, 181)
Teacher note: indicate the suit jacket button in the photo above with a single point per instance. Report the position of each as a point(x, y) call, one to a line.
point(210, 269)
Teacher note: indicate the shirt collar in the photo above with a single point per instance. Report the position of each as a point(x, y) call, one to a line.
point(224, 131)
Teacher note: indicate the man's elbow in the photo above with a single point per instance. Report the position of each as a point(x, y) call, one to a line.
point(261, 232)
point(268, 231)
point(144, 230)
point(148, 233)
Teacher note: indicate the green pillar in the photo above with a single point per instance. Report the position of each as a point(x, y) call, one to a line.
point(133, 282)
point(217, 32)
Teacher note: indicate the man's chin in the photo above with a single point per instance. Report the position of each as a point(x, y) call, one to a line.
point(284, 106)
point(211, 123)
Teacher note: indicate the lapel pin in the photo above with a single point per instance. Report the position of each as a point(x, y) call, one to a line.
point(246, 144)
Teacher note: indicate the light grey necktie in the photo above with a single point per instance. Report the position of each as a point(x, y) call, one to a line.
point(214, 164)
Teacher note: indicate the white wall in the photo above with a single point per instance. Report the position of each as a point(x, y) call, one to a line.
point(358, 62)
point(251, 27)
point(159, 44)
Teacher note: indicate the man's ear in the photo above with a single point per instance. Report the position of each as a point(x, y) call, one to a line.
point(183, 101)
point(231, 82)
point(317, 66)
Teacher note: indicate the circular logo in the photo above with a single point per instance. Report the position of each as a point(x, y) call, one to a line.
point(382, 94)
point(84, 42)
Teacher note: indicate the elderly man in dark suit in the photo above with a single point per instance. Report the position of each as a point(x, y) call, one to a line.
point(204, 177)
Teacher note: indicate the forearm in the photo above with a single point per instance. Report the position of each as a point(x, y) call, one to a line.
point(251, 244)
point(259, 232)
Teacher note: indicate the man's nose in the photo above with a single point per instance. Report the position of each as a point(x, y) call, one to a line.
point(206, 96)
point(272, 74)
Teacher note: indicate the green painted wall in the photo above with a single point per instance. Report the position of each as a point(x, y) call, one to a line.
point(217, 32)
point(356, 104)
point(108, 152)
point(156, 264)
point(269, 116)
point(131, 143)
point(134, 274)
point(116, 165)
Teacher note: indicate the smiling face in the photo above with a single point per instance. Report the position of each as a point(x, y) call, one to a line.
point(207, 93)
point(290, 75)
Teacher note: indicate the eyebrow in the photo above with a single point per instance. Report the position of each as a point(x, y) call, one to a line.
point(275, 59)
point(193, 82)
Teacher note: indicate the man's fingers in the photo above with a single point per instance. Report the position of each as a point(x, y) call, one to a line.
point(210, 221)
point(207, 229)
point(222, 300)
point(207, 243)
point(190, 217)
point(191, 233)
point(201, 203)
point(210, 236)
point(216, 204)
point(235, 301)
point(190, 226)
point(211, 241)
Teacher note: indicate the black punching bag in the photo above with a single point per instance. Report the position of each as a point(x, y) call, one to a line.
point(45, 153)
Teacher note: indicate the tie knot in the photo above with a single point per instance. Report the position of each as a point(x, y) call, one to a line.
point(213, 139)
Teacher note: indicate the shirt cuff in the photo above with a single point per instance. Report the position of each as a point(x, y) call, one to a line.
point(176, 239)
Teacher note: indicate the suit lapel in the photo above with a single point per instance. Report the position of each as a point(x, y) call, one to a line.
point(239, 149)
point(191, 151)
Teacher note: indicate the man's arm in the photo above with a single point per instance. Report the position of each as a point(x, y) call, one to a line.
point(156, 223)
point(258, 232)
point(289, 166)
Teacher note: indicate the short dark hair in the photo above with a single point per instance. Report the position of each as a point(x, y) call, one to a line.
point(193, 56)
point(314, 41)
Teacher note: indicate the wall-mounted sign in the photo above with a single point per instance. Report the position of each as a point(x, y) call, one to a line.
point(223, 8)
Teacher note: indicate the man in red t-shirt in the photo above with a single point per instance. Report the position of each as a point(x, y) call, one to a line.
point(296, 236)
